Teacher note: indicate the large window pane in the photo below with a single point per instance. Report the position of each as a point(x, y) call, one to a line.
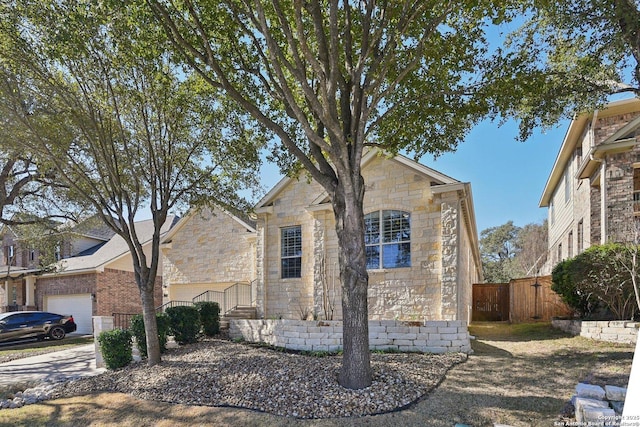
point(396, 255)
point(396, 226)
point(387, 239)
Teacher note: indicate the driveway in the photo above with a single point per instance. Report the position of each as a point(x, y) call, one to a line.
point(75, 362)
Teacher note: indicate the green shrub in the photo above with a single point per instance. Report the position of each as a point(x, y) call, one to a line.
point(137, 330)
point(210, 317)
point(184, 323)
point(115, 346)
point(601, 277)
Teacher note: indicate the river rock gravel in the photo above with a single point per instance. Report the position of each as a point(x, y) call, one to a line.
point(218, 372)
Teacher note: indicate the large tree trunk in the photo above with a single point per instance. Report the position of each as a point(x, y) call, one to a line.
point(348, 211)
point(150, 324)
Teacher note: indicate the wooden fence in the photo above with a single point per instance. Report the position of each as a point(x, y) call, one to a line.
point(528, 300)
point(490, 302)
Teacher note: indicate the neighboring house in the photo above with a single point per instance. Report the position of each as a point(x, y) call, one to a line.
point(593, 191)
point(94, 277)
point(208, 250)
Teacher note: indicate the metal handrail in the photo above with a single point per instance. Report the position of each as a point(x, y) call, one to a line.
point(170, 304)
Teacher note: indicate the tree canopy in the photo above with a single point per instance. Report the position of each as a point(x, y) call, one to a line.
point(510, 252)
point(570, 57)
point(102, 100)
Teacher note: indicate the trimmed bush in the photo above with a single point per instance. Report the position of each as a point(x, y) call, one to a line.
point(115, 346)
point(601, 277)
point(137, 330)
point(184, 323)
point(210, 317)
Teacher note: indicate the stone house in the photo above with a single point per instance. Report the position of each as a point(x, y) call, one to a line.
point(208, 250)
point(593, 191)
point(93, 277)
point(421, 238)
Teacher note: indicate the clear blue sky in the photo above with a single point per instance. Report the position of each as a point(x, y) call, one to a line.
point(507, 177)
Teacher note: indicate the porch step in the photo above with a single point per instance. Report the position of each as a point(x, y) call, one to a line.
point(240, 312)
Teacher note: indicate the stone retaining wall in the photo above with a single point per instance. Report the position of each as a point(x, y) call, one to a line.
point(620, 331)
point(428, 337)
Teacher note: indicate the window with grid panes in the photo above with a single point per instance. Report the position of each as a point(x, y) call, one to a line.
point(291, 252)
point(387, 239)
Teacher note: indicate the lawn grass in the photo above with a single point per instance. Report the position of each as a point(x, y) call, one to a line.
point(502, 331)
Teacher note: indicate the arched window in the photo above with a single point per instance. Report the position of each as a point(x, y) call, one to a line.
point(387, 239)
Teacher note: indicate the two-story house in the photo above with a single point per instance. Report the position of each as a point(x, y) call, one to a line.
point(92, 274)
point(593, 191)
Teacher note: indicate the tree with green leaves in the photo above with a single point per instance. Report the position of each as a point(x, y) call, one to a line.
point(570, 57)
point(332, 79)
point(497, 250)
point(510, 252)
point(597, 277)
point(104, 103)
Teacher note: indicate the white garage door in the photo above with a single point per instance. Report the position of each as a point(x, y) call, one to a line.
point(79, 306)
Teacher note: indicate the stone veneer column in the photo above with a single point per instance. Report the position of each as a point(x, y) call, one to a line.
point(319, 265)
point(449, 291)
point(261, 267)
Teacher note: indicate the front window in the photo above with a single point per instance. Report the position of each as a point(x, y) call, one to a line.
point(387, 239)
point(291, 252)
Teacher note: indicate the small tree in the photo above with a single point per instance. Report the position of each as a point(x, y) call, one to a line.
point(102, 99)
point(595, 276)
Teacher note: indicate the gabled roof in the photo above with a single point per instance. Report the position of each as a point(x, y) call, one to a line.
point(436, 178)
point(572, 138)
point(250, 225)
point(618, 142)
point(113, 250)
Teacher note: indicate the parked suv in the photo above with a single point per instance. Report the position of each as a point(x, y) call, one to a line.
point(37, 324)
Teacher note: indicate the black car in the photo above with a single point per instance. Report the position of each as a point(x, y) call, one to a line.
point(35, 324)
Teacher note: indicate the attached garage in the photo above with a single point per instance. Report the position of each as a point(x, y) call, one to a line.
point(79, 306)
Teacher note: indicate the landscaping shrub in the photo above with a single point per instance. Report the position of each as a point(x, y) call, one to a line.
point(599, 276)
point(137, 330)
point(184, 323)
point(115, 346)
point(210, 317)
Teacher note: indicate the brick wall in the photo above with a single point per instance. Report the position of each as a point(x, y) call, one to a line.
point(65, 285)
point(428, 337)
point(117, 292)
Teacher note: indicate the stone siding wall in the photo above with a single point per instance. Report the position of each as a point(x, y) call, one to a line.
point(611, 331)
point(210, 247)
point(429, 337)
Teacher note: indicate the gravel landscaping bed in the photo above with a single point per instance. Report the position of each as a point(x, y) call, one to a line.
point(222, 373)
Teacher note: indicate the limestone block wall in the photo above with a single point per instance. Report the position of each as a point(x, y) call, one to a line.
point(209, 247)
point(428, 337)
point(619, 331)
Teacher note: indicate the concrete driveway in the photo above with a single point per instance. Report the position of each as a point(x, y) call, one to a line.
point(75, 362)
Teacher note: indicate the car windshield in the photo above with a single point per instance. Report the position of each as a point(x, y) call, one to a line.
point(4, 315)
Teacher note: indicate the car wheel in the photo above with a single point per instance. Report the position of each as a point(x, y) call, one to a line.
point(57, 333)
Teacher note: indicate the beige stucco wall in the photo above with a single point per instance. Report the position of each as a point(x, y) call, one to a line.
point(209, 251)
point(412, 293)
